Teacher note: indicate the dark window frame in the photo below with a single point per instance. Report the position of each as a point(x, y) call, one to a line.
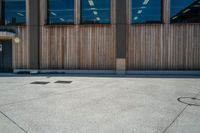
point(12, 24)
point(58, 23)
point(81, 22)
point(161, 17)
point(179, 23)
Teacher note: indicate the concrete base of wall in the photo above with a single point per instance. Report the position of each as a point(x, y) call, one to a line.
point(121, 66)
point(102, 72)
point(163, 73)
point(110, 72)
point(18, 71)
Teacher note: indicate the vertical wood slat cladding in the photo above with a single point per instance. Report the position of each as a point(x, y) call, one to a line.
point(149, 46)
point(164, 47)
point(21, 50)
point(77, 47)
point(58, 48)
point(97, 47)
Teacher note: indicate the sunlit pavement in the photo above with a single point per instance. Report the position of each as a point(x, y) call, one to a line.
point(98, 105)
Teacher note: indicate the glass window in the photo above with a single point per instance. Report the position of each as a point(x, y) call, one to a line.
point(185, 11)
point(60, 11)
point(95, 12)
point(146, 11)
point(13, 12)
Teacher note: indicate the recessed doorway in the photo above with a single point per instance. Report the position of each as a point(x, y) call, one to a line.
point(6, 56)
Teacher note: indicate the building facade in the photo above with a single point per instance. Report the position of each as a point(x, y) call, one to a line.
point(116, 35)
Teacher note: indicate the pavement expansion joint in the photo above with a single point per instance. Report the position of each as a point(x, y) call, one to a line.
point(187, 105)
point(13, 122)
point(175, 119)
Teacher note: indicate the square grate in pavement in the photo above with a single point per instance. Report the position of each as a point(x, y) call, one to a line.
point(63, 82)
point(40, 82)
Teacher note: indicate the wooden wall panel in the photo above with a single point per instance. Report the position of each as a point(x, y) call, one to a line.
point(21, 50)
point(164, 47)
point(58, 48)
point(97, 47)
point(92, 47)
point(77, 47)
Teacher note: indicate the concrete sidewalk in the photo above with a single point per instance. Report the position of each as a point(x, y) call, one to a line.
point(98, 105)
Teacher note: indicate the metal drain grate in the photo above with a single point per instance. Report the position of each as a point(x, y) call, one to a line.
point(40, 82)
point(63, 82)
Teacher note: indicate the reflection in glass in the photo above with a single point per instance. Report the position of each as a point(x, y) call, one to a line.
point(146, 11)
point(185, 11)
point(95, 11)
point(13, 12)
point(60, 11)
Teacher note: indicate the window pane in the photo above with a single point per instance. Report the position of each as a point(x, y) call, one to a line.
point(185, 11)
point(60, 11)
point(146, 11)
point(14, 12)
point(95, 11)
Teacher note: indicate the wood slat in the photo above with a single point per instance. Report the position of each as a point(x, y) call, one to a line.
point(97, 47)
point(92, 47)
point(164, 47)
point(21, 50)
point(77, 47)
